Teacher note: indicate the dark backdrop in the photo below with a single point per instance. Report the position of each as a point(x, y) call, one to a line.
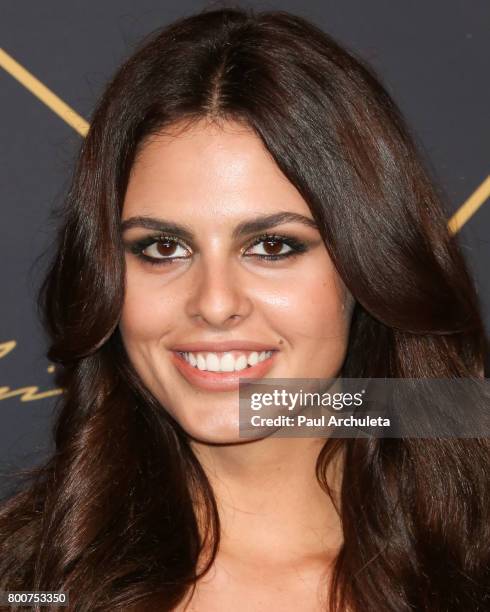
point(433, 56)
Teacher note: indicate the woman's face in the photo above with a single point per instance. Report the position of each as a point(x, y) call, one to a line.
point(202, 296)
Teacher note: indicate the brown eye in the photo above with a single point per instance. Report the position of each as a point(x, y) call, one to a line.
point(272, 247)
point(166, 248)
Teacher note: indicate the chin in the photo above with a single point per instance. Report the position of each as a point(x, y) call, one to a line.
point(211, 429)
point(224, 433)
point(221, 436)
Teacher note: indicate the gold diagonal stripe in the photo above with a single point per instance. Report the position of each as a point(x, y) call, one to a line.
point(455, 223)
point(469, 208)
point(51, 100)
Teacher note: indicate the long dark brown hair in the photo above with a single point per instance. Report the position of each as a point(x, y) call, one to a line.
point(122, 514)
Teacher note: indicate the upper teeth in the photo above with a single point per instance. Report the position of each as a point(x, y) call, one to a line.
point(225, 362)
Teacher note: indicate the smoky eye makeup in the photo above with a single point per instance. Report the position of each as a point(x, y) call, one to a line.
point(165, 249)
point(165, 245)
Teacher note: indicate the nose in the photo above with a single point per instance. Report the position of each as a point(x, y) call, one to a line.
point(218, 297)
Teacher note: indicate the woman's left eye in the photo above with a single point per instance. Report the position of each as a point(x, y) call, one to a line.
point(272, 248)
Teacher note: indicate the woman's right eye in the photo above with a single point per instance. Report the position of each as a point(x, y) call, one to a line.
point(158, 250)
point(164, 249)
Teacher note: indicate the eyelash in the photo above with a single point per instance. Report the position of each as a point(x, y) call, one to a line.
point(139, 246)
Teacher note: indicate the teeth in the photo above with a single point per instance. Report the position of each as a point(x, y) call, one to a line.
point(212, 362)
point(227, 362)
point(253, 358)
point(241, 363)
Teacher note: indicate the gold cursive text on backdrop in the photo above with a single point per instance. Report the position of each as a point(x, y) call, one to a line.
point(27, 394)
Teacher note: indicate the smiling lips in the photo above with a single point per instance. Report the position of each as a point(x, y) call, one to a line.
point(229, 361)
point(217, 370)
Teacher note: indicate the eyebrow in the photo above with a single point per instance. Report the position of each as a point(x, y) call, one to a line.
point(243, 229)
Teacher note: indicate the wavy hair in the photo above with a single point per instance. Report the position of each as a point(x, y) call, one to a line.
point(122, 515)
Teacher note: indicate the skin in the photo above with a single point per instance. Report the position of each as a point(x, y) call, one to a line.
point(274, 515)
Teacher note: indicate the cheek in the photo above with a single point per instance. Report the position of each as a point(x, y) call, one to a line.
point(312, 305)
point(327, 305)
point(147, 309)
point(316, 322)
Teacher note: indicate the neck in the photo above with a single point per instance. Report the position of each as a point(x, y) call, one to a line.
point(271, 506)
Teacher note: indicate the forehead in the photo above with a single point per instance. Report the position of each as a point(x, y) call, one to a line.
point(206, 169)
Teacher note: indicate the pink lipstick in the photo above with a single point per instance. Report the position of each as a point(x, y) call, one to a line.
point(220, 381)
